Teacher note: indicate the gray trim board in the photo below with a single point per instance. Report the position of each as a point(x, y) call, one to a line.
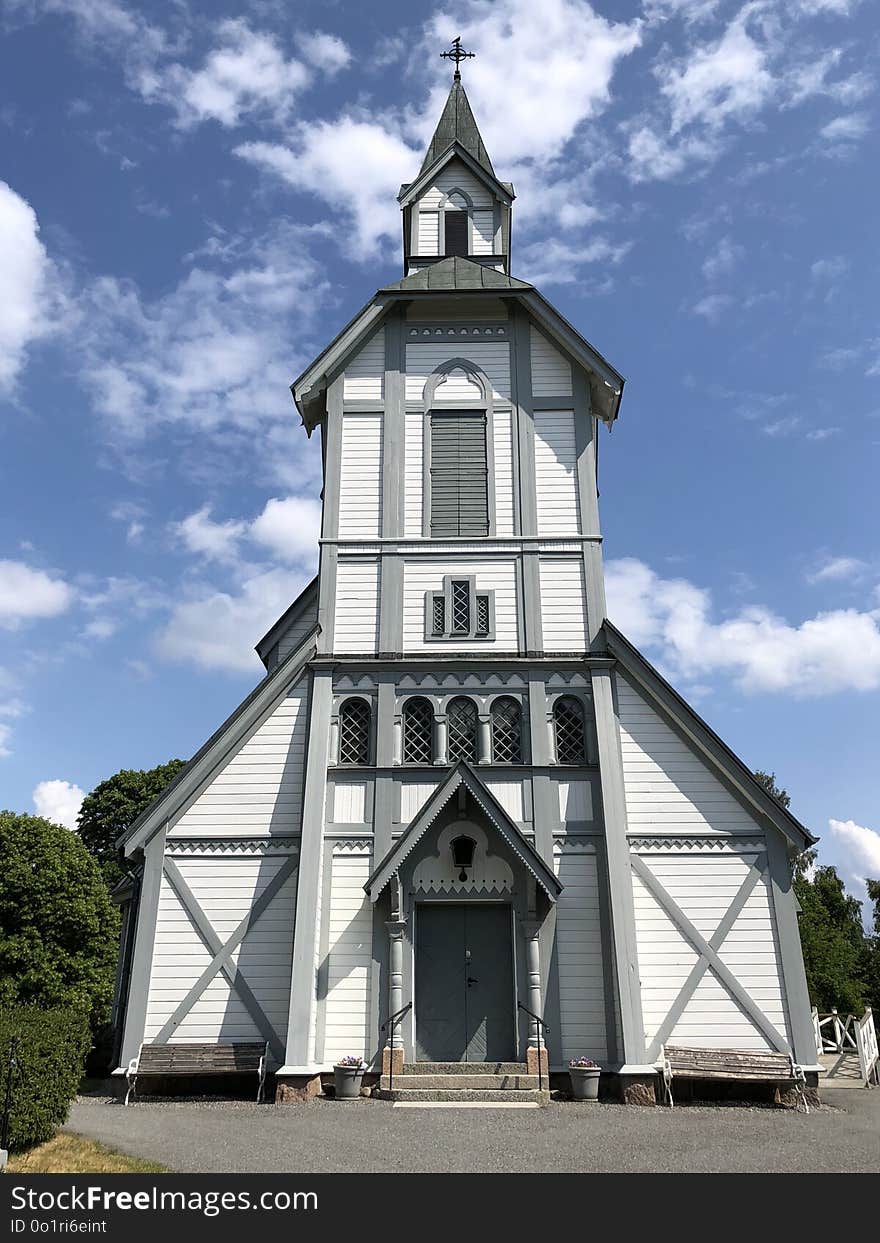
point(785, 907)
point(306, 597)
point(145, 938)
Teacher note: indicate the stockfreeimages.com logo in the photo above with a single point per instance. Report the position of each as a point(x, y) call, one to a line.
point(96, 1199)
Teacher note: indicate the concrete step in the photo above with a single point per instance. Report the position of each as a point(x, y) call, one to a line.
point(498, 1095)
point(499, 1083)
point(464, 1068)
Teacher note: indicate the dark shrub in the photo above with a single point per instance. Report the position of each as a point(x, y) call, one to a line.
point(52, 1048)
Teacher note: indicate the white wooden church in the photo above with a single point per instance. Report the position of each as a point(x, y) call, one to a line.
point(460, 796)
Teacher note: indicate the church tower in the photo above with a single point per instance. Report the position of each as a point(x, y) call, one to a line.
point(461, 809)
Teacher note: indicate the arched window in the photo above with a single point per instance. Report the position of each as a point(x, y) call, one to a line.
point(461, 719)
point(418, 717)
point(506, 731)
point(354, 732)
point(568, 726)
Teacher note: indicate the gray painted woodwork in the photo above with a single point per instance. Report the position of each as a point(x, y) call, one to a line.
point(797, 997)
point(145, 938)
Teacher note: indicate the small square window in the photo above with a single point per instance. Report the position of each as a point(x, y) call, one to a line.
point(459, 611)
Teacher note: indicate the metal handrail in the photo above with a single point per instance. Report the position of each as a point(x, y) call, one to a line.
point(542, 1028)
point(393, 1021)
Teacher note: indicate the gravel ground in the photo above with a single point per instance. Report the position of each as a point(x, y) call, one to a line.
point(372, 1136)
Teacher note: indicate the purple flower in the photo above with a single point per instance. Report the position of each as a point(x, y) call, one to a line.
point(350, 1060)
point(584, 1062)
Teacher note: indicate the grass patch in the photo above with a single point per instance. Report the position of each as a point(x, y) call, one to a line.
point(73, 1154)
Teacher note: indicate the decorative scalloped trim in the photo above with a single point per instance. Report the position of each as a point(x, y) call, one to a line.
point(573, 846)
point(232, 846)
point(352, 845)
point(681, 845)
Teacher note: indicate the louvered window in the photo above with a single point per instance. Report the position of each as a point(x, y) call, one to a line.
point(459, 611)
point(354, 732)
point(568, 726)
point(461, 721)
point(418, 718)
point(459, 474)
point(457, 231)
point(506, 732)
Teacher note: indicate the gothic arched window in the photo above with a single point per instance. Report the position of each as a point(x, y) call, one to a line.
point(354, 732)
point(461, 720)
point(418, 718)
point(568, 727)
point(506, 731)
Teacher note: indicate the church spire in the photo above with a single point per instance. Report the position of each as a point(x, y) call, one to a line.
point(457, 122)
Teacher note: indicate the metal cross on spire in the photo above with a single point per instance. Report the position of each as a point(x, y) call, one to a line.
point(458, 54)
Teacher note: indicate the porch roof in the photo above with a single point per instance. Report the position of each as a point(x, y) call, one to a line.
point(462, 775)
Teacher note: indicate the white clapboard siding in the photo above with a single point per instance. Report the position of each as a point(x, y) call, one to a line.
point(551, 371)
point(457, 386)
point(424, 357)
point(360, 485)
point(579, 957)
point(503, 446)
point(413, 486)
point(426, 574)
point(556, 477)
point(259, 788)
point(703, 886)
point(563, 608)
point(668, 786)
point(428, 235)
point(483, 234)
point(364, 378)
point(226, 888)
point(575, 800)
point(413, 796)
point(455, 176)
point(510, 796)
point(349, 802)
point(356, 624)
point(297, 630)
point(349, 956)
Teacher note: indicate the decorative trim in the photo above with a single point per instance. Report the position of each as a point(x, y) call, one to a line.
point(433, 331)
point(352, 845)
point(571, 845)
point(680, 845)
point(231, 846)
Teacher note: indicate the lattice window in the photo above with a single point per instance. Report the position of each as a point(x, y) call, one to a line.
point(482, 627)
point(461, 718)
point(568, 725)
point(354, 732)
point(438, 614)
point(418, 718)
point(506, 732)
point(461, 606)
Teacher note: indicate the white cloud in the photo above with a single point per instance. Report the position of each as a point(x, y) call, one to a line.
point(829, 269)
point(26, 304)
point(652, 156)
point(26, 593)
point(786, 426)
point(834, 651)
point(860, 848)
point(555, 262)
point(823, 433)
point(846, 130)
point(713, 306)
point(723, 259)
point(215, 629)
point(5, 735)
point(217, 541)
point(835, 569)
point(721, 80)
point(59, 801)
point(289, 527)
point(326, 51)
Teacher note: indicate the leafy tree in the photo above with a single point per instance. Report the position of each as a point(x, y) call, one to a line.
point(115, 804)
point(768, 781)
point(58, 926)
point(872, 967)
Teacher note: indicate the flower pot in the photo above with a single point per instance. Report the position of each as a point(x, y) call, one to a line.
point(584, 1082)
point(348, 1082)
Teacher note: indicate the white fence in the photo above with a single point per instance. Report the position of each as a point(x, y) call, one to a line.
point(846, 1033)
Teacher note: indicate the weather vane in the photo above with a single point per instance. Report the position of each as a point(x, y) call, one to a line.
point(458, 54)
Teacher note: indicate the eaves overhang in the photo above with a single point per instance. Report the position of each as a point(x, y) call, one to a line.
point(502, 190)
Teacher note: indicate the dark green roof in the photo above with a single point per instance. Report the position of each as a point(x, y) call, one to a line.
point(457, 124)
point(455, 273)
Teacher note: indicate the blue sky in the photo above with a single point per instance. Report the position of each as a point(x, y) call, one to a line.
point(193, 199)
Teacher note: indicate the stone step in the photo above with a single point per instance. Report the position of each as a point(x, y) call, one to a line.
point(499, 1083)
point(464, 1068)
point(499, 1095)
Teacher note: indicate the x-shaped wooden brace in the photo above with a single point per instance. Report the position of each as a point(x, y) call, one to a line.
point(708, 955)
point(222, 953)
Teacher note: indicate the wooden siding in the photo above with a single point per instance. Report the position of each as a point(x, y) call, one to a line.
point(483, 232)
point(360, 487)
point(426, 574)
point(579, 956)
point(357, 606)
point(669, 789)
point(424, 357)
point(556, 477)
point(365, 373)
point(349, 956)
point(413, 796)
point(551, 371)
point(259, 788)
point(297, 630)
point(503, 459)
point(703, 886)
point(563, 606)
point(413, 485)
point(455, 176)
point(428, 233)
point(510, 795)
point(349, 804)
point(226, 888)
point(575, 800)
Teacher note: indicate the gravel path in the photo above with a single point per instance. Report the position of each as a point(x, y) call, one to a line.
point(371, 1136)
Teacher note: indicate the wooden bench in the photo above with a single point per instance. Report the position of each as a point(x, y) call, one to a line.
point(732, 1066)
point(166, 1061)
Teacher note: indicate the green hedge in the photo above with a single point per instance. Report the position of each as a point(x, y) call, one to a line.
point(51, 1052)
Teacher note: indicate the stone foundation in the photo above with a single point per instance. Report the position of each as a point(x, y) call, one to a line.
point(791, 1098)
point(297, 1088)
point(637, 1089)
